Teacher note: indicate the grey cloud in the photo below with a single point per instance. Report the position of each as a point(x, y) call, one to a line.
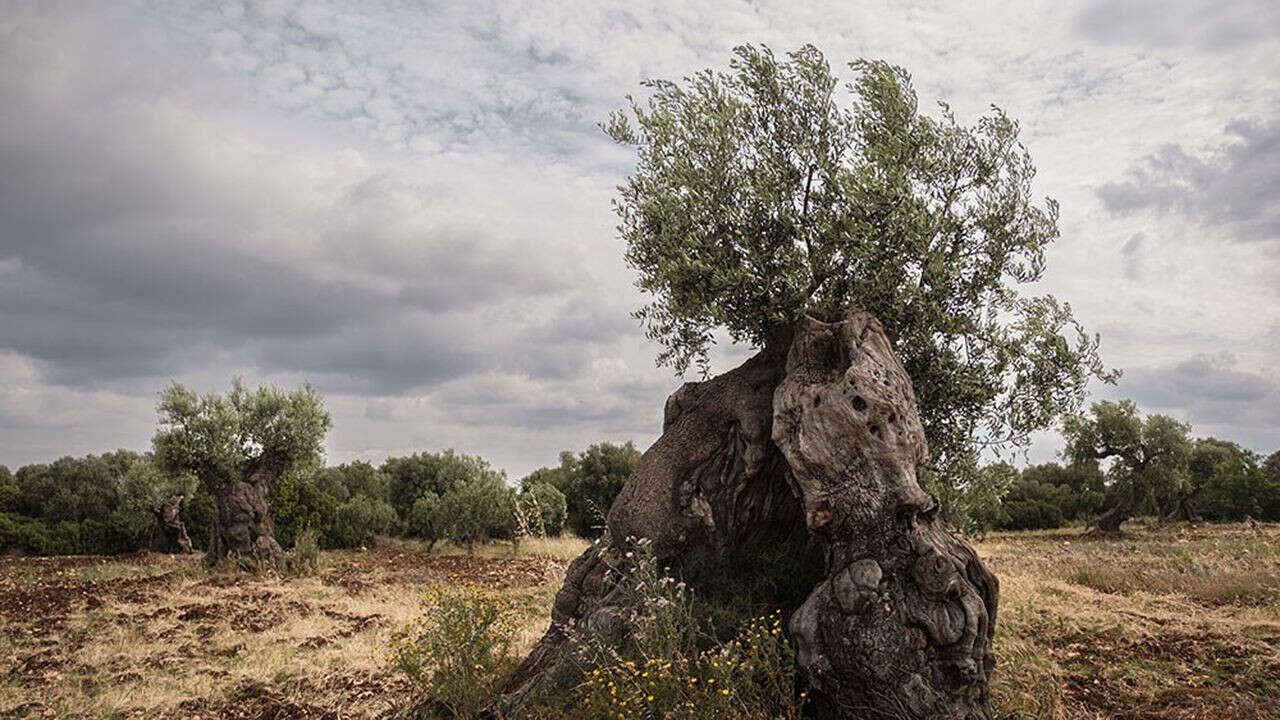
point(141, 237)
point(1165, 23)
point(1232, 186)
point(1209, 390)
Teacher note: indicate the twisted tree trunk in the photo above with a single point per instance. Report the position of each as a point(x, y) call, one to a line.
point(793, 479)
point(242, 530)
point(1110, 520)
point(170, 534)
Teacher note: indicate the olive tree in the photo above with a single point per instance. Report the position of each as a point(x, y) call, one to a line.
point(772, 192)
point(237, 445)
point(873, 256)
point(1147, 455)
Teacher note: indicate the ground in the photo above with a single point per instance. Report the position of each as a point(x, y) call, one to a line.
point(1173, 623)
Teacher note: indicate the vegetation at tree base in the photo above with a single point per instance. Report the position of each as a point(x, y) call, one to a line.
point(760, 197)
point(589, 482)
point(675, 663)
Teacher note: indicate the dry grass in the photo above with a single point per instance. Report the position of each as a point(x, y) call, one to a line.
point(1175, 623)
point(158, 636)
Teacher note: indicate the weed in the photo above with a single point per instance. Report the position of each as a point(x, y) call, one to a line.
point(458, 650)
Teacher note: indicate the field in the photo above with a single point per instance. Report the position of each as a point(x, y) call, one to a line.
point(1173, 623)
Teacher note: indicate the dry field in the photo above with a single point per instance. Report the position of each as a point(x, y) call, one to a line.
point(1171, 624)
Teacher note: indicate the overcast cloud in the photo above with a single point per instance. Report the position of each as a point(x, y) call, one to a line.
point(408, 204)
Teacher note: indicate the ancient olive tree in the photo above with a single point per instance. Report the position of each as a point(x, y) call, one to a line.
point(871, 253)
point(237, 445)
point(760, 198)
point(1147, 456)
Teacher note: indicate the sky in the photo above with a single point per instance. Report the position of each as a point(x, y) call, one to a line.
point(407, 204)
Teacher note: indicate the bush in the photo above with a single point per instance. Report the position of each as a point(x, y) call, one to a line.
point(426, 519)
point(359, 520)
point(457, 651)
point(1031, 515)
point(589, 481)
point(298, 504)
point(305, 558)
point(541, 510)
point(481, 509)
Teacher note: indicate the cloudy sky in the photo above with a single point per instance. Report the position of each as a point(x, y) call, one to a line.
point(408, 204)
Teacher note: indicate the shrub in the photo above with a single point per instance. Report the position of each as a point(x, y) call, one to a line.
point(478, 510)
point(426, 519)
point(589, 481)
point(305, 558)
point(298, 504)
point(541, 510)
point(359, 520)
point(457, 651)
point(1031, 515)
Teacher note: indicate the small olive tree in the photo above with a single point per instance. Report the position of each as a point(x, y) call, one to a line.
point(237, 445)
point(761, 196)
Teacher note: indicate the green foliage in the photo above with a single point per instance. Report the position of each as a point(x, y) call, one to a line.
point(359, 520)
point(305, 558)
point(426, 519)
point(480, 509)
point(1031, 514)
point(409, 478)
point(457, 651)
point(760, 197)
point(543, 509)
point(298, 504)
point(1148, 455)
point(224, 438)
point(1229, 482)
point(143, 492)
point(589, 481)
point(974, 505)
point(197, 515)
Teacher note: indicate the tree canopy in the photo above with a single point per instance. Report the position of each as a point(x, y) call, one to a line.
point(765, 193)
point(223, 438)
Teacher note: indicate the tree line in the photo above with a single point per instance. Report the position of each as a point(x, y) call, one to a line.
point(113, 503)
point(1119, 464)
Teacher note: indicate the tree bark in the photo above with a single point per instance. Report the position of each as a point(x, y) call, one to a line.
point(1186, 510)
point(242, 530)
point(1110, 520)
point(170, 534)
point(793, 480)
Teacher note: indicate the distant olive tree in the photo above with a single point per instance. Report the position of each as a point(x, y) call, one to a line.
point(1148, 455)
point(237, 445)
point(761, 195)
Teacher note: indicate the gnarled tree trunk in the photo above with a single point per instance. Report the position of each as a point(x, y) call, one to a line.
point(242, 529)
point(794, 479)
point(1185, 510)
point(1110, 520)
point(170, 534)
